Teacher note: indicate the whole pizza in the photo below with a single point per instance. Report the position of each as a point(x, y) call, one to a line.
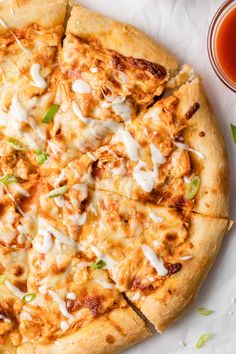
point(113, 182)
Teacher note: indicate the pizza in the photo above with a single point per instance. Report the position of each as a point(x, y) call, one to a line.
point(114, 182)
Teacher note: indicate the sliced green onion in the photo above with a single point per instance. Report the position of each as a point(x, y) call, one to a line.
point(16, 144)
point(192, 188)
point(233, 130)
point(99, 264)
point(8, 179)
point(51, 113)
point(41, 156)
point(202, 340)
point(58, 192)
point(29, 297)
point(3, 278)
point(204, 312)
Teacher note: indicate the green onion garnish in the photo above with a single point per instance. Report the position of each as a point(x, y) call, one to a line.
point(41, 156)
point(58, 192)
point(16, 144)
point(3, 278)
point(8, 179)
point(99, 264)
point(204, 312)
point(233, 130)
point(51, 113)
point(29, 297)
point(192, 188)
point(202, 340)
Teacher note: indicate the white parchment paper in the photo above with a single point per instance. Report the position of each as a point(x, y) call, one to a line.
point(182, 26)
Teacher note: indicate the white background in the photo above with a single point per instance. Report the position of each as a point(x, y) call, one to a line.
point(182, 26)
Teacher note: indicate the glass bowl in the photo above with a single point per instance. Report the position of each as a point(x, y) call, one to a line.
point(219, 16)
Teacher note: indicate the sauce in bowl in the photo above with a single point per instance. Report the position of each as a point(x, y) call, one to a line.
point(222, 43)
point(226, 45)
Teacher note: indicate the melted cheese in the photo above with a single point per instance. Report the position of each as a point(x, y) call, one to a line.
point(123, 110)
point(61, 304)
point(186, 147)
point(154, 260)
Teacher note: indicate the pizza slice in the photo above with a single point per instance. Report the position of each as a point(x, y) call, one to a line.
point(165, 156)
point(72, 297)
point(156, 255)
point(103, 86)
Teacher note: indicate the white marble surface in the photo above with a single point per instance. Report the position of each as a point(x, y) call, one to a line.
point(182, 25)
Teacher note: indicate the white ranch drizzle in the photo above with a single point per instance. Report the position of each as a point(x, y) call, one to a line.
point(61, 304)
point(93, 70)
point(123, 110)
point(156, 155)
point(186, 147)
point(37, 77)
point(64, 326)
point(80, 86)
point(156, 218)
point(60, 178)
point(17, 292)
point(79, 114)
point(79, 219)
point(154, 260)
point(71, 296)
point(145, 179)
point(21, 190)
point(47, 243)
point(17, 110)
point(185, 258)
point(104, 284)
point(131, 145)
point(135, 297)
point(5, 319)
point(61, 237)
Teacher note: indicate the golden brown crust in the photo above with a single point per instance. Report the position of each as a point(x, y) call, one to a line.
point(179, 291)
point(118, 36)
point(204, 136)
point(111, 333)
point(22, 13)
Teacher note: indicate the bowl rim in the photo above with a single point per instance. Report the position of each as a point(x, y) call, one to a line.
point(210, 46)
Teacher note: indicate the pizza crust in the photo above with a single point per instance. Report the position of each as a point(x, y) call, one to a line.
point(110, 333)
point(48, 13)
point(121, 37)
point(180, 290)
point(212, 198)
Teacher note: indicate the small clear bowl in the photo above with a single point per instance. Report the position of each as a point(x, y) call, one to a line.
point(219, 16)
